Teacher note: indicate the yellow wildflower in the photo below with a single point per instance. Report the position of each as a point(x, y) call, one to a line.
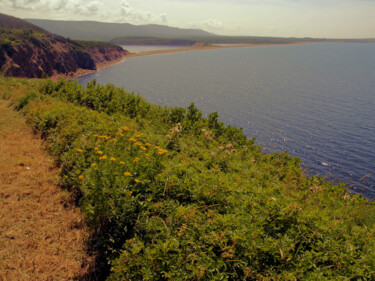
point(159, 175)
point(107, 138)
point(139, 136)
point(114, 140)
point(143, 148)
point(81, 177)
point(137, 181)
point(136, 160)
point(138, 143)
point(130, 192)
point(93, 164)
point(162, 151)
point(96, 148)
point(119, 134)
point(113, 159)
point(132, 140)
point(148, 144)
point(79, 150)
point(122, 163)
point(127, 174)
point(104, 157)
point(147, 156)
point(125, 129)
point(99, 152)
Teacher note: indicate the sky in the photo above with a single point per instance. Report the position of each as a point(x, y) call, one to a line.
point(280, 18)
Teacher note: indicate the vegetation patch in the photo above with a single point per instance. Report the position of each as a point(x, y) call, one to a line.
point(172, 195)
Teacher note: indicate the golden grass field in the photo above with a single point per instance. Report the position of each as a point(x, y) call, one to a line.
point(42, 233)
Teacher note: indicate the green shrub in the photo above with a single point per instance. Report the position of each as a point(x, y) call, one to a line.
point(23, 101)
point(211, 206)
point(7, 46)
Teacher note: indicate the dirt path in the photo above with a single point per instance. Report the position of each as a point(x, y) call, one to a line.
point(41, 232)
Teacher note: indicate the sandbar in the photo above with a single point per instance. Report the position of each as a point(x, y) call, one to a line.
point(83, 72)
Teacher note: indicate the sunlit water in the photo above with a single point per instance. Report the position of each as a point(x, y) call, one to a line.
point(316, 101)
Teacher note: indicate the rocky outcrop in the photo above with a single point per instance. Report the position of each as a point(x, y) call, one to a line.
point(29, 51)
point(103, 54)
point(35, 60)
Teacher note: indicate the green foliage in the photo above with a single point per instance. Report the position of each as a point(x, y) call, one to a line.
point(108, 98)
point(9, 38)
point(211, 206)
point(23, 101)
point(7, 47)
point(2, 57)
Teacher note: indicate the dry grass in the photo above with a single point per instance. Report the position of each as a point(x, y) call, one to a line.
point(41, 232)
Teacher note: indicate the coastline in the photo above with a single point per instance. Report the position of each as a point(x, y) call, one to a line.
point(209, 47)
point(83, 72)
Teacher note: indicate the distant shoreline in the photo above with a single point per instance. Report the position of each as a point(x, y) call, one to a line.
point(100, 66)
point(209, 47)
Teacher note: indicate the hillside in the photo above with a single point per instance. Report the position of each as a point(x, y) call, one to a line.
point(29, 51)
point(92, 30)
point(9, 22)
point(124, 33)
point(154, 41)
point(171, 195)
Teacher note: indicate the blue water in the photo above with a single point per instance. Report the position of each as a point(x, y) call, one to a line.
point(316, 101)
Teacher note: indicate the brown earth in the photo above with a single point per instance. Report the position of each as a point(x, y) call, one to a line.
point(42, 233)
point(56, 58)
point(102, 60)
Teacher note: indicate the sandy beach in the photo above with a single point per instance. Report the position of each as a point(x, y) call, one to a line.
point(200, 48)
point(82, 72)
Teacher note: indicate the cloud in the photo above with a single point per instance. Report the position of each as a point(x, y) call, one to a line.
point(106, 10)
point(128, 13)
point(209, 24)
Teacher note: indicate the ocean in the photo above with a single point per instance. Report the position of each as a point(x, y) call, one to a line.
point(316, 101)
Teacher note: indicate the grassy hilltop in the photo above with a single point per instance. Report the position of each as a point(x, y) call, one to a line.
point(171, 195)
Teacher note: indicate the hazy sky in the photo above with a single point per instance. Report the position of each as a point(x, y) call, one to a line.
point(300, 18)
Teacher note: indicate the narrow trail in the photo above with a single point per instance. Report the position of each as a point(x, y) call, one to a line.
point(41, 232)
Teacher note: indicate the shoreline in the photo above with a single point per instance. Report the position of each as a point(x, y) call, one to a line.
point(209, 47)
point(100, 66)
point(82, 72)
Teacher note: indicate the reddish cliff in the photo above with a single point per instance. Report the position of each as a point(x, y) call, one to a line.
point(36, 53)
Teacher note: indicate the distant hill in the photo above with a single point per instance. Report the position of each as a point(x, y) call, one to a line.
point(93, 30)
point(154, 41)
point(9, 22)
point(30, 51)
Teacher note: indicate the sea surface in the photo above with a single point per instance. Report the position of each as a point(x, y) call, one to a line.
point(316, 101)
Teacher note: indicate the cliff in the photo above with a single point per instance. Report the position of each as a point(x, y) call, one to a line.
point(33, 53)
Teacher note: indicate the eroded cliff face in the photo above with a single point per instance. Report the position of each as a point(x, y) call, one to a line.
point(54, 55)
point(102, 55)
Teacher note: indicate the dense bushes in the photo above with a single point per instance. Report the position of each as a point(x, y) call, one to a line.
point(173, 195)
